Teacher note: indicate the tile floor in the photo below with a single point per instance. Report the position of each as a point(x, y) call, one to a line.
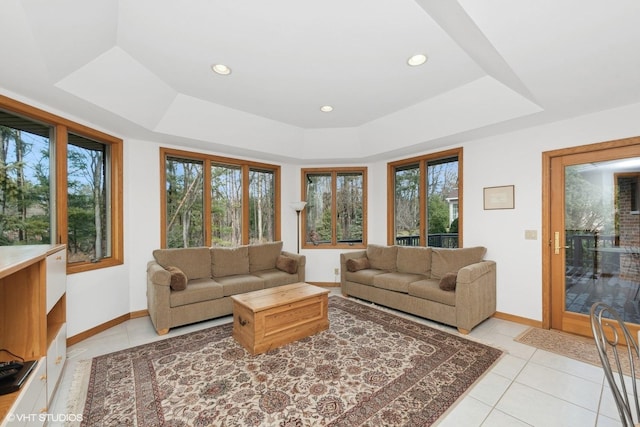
point(527, 387)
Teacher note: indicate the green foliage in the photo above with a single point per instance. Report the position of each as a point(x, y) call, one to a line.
point(438, 215)
point(585, 206)
point(454, 226)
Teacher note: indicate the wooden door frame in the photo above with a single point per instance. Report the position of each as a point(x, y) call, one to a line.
point(546, 240)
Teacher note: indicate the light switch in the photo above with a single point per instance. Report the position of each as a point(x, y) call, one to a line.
point(530, 235)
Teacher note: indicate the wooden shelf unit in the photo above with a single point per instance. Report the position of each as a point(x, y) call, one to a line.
point(28, 328)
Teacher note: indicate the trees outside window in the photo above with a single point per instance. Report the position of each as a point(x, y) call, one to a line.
point(335, 214)
point(88, 198)
point(226, 205)
point(184, 195)
point(25, 199)
point(237, 197)
point(425, 194)
point(261, 206)
point(60, 182)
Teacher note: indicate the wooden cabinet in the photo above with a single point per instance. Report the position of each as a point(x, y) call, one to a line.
point(33, 325)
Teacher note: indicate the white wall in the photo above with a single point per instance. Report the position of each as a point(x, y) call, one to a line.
point(514, 159)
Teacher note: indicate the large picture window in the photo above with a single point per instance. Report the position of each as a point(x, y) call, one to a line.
point(60, 182)
point(425, 194)
point(25, 190)
point(185, 201)
point(218, 201)
point(88, 199)
point(335, 214)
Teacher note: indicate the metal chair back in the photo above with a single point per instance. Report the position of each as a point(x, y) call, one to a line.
point(612, 338)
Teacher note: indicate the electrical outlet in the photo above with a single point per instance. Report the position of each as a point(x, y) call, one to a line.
point(336, 271)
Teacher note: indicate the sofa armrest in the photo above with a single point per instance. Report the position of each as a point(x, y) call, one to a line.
point(343, 262)
point(158, 294)
point(475, 294)
point(158, 274)
point(302, 262)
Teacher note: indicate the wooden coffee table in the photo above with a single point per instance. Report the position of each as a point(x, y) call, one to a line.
point(273, 317)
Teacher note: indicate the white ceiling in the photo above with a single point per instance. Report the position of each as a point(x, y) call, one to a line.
point(141, 69)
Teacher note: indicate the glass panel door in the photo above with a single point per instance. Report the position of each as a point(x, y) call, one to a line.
point(594, 234)
point(602, 236)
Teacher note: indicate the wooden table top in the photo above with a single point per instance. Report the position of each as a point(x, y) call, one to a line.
point(14, 258)
point(265, 299)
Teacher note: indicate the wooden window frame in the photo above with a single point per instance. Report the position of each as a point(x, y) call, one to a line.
point(422, 162)
point(58, 176)
point(334, 174)
point(245, 165)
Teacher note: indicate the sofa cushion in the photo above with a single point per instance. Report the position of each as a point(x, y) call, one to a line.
point(382, 257)
point(357, 264)
point(363, 276)
point(414, 260)
point(232, 285)
point(178, 281)
point(194, 262)
point(430, 289)
point(276, 277)
point(229, 261)
point(198, 290)
point(445, 261)
point(448, 282)
point(264, 256)
point(286, 264)
point(396, 281)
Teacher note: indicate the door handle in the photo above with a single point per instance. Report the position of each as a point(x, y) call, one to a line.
point(556, 243)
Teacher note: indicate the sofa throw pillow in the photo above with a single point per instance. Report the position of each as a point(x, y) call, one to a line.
point(287, 264)
point(382, 257)
point(445, 261)
point(357, 264)
point(263, 256)
point(178, 278)
point(448, 282)
point(229, 261)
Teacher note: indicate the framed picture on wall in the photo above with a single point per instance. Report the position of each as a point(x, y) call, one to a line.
point(499, 197)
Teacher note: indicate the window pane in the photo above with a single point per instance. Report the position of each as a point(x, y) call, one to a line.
point(87, 213)
point(25, 199)
point(407, 206)
point(226, 205)
point(442, 203)
point(349, 207)
point(184, 187)
point(261, 206)
point(318, 209)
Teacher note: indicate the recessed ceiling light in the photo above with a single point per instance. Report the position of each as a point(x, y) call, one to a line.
point(326, 108)
point(416, 60)
point(221, 69)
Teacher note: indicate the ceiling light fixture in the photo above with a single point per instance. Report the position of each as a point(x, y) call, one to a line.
point(326, 108)
point(221, 69)
point(416, 60)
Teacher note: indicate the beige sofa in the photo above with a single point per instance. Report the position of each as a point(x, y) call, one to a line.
point(210, 276)
point(411, 279)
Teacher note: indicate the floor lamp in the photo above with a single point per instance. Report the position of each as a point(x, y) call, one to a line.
point(298, 207)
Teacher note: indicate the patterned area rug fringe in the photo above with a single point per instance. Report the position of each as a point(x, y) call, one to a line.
point(78, 390)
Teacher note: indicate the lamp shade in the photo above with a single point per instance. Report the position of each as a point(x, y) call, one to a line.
point(298, 206)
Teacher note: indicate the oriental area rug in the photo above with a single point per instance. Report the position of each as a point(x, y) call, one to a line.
point(370, 368)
